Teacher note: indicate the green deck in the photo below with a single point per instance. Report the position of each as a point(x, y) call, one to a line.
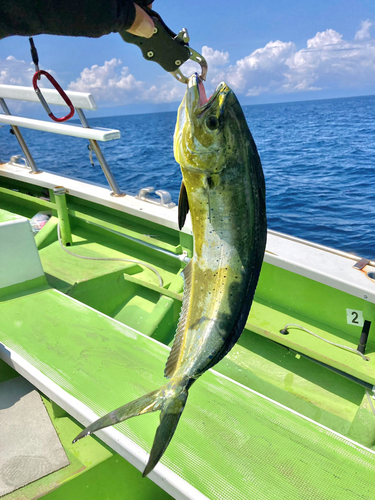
point(230, 443)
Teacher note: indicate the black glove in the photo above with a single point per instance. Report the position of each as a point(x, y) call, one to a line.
point(66, 17)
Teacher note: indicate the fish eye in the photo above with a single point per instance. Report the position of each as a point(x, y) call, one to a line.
point(212, 122)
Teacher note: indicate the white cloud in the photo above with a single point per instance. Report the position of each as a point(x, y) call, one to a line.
point(217, 62)
point(110, 82)
point(215, 58)
point(324, 39)
point(168, 92)
point(364, 32)
point(15, 72)
point(332, 62)
point(327, 62)
point(263, 70)
point(113, 83)
point(18, 72)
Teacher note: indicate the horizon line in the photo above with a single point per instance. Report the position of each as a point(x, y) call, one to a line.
point(177, 103)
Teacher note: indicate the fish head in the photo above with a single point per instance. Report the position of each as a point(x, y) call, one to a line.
point(206, 131)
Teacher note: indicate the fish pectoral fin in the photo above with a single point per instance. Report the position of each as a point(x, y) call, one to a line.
point(145, 404)
point(183, 206)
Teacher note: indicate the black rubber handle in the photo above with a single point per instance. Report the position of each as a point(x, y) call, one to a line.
point(163, 47)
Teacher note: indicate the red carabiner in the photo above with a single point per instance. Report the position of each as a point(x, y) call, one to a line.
point(59, 90)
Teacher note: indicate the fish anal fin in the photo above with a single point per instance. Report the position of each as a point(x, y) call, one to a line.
point(183, 206)
point(179, 338)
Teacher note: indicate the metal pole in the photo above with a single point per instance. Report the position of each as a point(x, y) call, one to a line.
point(103, 163)
point(364, 336)
point(22, 143)
point(62, 213)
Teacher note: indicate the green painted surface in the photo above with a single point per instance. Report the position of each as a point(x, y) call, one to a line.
point(6, 216)
point(6, 372)
point(306, 298)
point(63, 216)
point(25, 204)
point(230, 443)
point(131, 294)
point(47, 234)
point(129, 225)
point(103, 473)
point(36, 284)
point(95, 472)
point(294, 381)
point(27, 198)
point(115, 479)
point(268, 319)
point(363, 426)
point(61, 266)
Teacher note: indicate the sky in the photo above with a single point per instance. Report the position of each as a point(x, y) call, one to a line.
point(265, 50)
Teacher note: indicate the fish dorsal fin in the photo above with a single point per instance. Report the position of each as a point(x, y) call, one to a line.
point(183, 206)
point(179, 338)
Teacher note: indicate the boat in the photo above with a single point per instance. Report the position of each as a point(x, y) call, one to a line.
point(90, 295)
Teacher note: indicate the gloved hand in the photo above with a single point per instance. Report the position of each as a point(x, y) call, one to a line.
point(143, 24)
point(74, 17)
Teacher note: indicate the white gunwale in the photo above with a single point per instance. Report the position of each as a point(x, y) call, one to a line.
point(316, 262)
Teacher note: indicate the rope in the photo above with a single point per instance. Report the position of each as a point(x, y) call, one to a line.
point(350, 349)
point(109, 258)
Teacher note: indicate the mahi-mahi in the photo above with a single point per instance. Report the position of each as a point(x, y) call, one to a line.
point(223, 186)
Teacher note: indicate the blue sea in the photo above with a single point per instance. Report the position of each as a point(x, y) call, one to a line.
point(318, 158)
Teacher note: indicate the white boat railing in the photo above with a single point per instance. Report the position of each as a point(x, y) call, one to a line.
point(80, 101)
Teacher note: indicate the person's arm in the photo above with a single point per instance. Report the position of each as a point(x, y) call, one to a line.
point(91, 18)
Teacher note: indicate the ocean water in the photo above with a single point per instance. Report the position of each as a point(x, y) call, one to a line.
point(318, 159)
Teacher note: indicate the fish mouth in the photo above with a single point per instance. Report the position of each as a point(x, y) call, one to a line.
point(197, 99)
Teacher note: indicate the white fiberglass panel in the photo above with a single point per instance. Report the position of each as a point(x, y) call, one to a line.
point(20, 260)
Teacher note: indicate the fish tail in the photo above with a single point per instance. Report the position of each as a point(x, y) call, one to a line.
point(170, 399)
point(145, 404)
point(173, 406)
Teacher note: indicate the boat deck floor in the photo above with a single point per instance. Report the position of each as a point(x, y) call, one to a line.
point(252, 446)
point(131, 293)
point(99, 332)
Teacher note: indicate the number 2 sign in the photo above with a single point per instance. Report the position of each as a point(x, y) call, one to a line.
point(354, 317)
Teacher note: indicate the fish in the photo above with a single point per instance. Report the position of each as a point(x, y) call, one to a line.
point(223, 187)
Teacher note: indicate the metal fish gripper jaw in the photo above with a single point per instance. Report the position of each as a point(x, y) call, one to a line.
point(198, 58)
